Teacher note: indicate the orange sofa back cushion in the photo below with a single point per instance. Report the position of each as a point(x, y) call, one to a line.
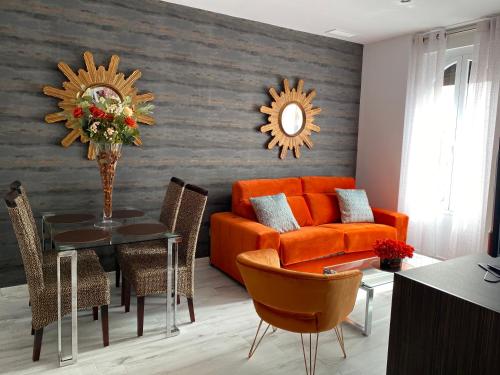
point(325, 184)
point(291, 186)
point(321, 198)
point(324, 208)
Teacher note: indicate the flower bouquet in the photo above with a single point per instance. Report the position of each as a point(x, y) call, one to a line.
point(109, 122)
point(391, 253)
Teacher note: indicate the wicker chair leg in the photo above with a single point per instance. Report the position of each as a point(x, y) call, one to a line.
point(95, 312)
point(178, 299)
point(191, 309)
point(127, 291)
point(32, 331)
point(105, 325)
point(117, 273)
point(122, 295)
point(140, 315)
point(37, 345)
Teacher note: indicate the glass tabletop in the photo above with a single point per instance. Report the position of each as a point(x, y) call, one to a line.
point(73, 230)
point(373, 276)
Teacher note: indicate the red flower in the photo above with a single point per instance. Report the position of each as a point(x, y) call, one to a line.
point(77, 112)
point(392, 249)
point(96, 112)
point(130, 122)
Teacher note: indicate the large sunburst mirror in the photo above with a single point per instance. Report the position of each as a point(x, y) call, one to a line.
point(95, 82)
point(291, 118)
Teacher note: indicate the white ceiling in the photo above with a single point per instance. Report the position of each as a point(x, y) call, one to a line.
point(370, 20)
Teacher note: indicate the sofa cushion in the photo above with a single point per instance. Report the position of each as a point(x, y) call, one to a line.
point(245, 189)
point(325, 184)
point(300, 210)
point(362, 236)
point(354, 206)
point(274, 211)
point(324, 208)
point(309, 243)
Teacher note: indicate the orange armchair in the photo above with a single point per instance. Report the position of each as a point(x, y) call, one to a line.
point(297, 301)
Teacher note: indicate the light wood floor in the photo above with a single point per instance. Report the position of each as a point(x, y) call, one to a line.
point(217, 343)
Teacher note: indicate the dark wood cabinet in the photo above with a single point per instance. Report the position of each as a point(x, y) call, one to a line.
point(445, 320)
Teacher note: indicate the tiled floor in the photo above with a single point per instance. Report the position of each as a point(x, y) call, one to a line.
point(217, 343)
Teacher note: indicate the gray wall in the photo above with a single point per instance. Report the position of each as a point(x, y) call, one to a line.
point(210, 74)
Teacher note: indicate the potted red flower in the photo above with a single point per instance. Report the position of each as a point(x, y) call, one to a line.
point(391, 253)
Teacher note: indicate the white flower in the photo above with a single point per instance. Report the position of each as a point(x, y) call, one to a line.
point(102, 99)
point(93, 127)
point(112, 108)
point(110, 131)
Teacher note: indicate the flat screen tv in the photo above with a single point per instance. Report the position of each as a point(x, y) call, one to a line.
point(494, 243)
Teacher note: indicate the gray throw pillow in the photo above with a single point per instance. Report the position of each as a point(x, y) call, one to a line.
point(354, 206)
point(275, 212)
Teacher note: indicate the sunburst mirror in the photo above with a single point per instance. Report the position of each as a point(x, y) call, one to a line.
point(94, 82)
point(291, 118)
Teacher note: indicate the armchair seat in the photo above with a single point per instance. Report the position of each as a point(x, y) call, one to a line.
point(300, 302)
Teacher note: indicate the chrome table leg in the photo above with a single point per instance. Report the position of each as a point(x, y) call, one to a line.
point(68, 360)
point(172, 258)
point(365, 328)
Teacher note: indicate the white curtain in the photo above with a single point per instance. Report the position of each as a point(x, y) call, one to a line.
point(421, 167)
point(474, 144)
point(434, 229)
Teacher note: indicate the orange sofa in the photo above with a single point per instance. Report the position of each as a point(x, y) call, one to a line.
point(322, 239)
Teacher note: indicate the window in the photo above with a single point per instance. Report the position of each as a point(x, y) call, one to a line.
point(453, 99)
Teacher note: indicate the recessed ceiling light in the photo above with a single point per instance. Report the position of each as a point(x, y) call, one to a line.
point(405, 1)
point(341, 33)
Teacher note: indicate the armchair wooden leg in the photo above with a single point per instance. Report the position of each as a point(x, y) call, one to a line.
point(140, 315)
point(37, 345)
point(191, 309)
point(105, 325)
point(340, 337)
point(32, 331)
point(95, 312)
point(311, 369)
point(254, 346)
point(178, 299)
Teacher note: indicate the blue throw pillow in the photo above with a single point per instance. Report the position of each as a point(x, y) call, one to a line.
point(275, 212)
point(354, 206)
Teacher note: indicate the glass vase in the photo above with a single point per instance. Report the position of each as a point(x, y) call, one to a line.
point(107, 155)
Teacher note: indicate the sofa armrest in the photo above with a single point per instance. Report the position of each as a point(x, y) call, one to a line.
point(394, 219)
point(231, 235)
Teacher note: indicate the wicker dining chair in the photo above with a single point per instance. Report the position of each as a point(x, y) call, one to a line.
point(146, 273)
point(168, 216)
point(49, 256)
point(93, 285)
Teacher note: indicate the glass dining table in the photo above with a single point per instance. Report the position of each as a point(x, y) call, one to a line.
point(69, 232)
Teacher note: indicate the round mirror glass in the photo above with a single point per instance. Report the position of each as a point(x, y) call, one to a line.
point(97, 92)
point(292, 119)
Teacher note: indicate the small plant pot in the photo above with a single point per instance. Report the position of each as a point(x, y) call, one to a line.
point(390, 264)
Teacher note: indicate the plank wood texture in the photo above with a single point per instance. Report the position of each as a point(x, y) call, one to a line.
point(209, 73)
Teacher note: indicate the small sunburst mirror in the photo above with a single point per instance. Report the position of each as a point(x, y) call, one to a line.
point(291, 118)
point(95, 82)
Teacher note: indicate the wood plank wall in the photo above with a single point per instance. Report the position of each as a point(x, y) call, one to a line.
point(210, 74)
